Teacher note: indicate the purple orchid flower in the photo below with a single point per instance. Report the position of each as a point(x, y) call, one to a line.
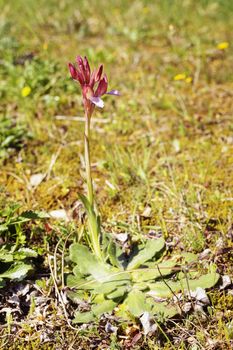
point(93, 85)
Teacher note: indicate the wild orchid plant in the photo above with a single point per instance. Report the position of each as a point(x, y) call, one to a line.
point(107, 274)
point(94, 85)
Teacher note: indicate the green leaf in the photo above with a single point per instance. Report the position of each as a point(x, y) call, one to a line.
point(165, 268)
point(136, 303)
point(80, 283)
point(112, 253)
point(205, 281)
point(119, 292)
point(3, 227)
point(105, 306)
point(141, 286)
point(96, 311)
point(98, 299)
point(152, 247)
point(9, 211)
point(7, 253)
point(189, 257)
point(86, 203)
point(2, 283)
point(93, 224)
point(24, 253)
point(122, 312)
point(84, 317)
point(17, 271)
point(77, 296)
point(166, 289)
point(92, 217)
point(76, 272)
point(28, 216)
point(34, 215)
point(88, 264)
point(164, 310)
point(108, 287)
point(80, 255)
point(161, 289)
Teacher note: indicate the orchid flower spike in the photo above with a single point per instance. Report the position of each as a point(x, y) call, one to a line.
point(93, 84)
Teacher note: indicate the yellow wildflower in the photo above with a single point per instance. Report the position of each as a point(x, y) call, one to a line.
point(146, 9)
point(45, 46)
point(181, 76)
point(223, 46)
point(26, 90)
point(189, 80)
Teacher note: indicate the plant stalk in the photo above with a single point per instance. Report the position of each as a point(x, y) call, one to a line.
point(93, 226)
point(87, 160)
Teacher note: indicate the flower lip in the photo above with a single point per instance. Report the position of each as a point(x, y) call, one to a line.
point(97, 101)
point(113, 92)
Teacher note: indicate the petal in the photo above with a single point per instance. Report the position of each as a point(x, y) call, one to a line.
point(99, 73)
point(113, 92)
point(81, 66)
point(96, 75)
point(73, 71)
point(75, 74)
point(102, 87)
point(87, 69)
point(92, 79)
point(84, 68)
point(97, 101)
point(81, 78)
point(80, 62)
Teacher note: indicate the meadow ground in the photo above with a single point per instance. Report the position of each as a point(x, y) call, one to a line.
point(161, 153)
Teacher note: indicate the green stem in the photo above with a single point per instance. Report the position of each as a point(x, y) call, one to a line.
point(87, 160)
point(93, 226)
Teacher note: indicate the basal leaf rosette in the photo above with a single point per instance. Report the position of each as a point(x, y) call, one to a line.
point(139, 283)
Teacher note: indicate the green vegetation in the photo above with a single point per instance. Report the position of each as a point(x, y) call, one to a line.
point(161, 164)
point(134, 288)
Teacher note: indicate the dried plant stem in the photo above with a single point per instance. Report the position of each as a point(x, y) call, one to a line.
point(165, 335)
point(174, 294)
point(59, 295)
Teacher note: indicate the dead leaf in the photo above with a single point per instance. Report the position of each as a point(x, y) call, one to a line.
point(147, 212)
point(200, 295)
point(226, 281)
point(148, 326)
point(59, 214)
point(36, 179)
